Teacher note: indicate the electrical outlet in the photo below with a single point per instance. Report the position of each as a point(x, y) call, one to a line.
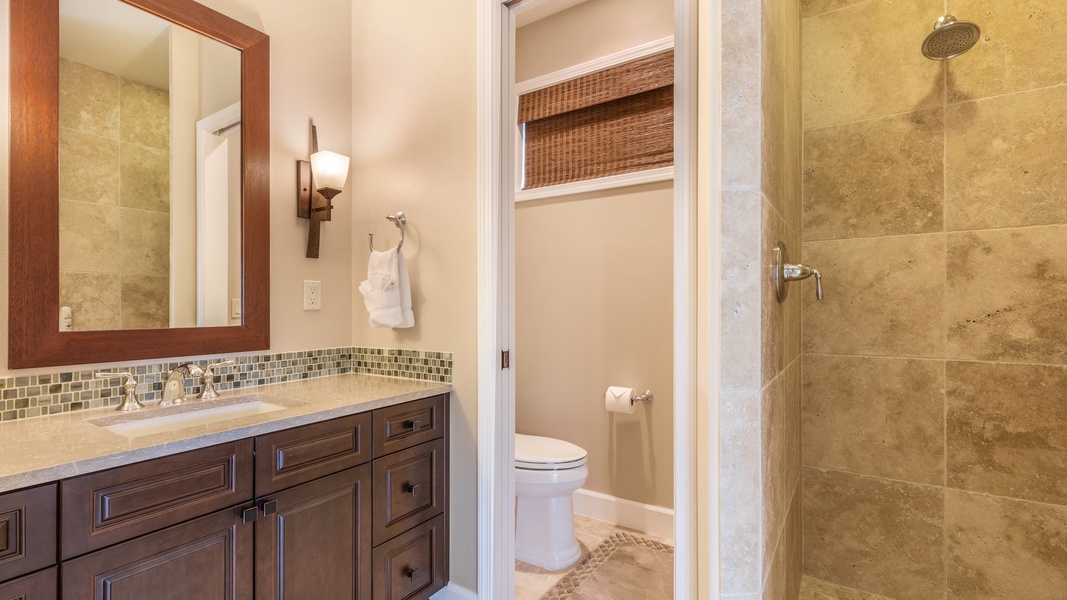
point(312, 295)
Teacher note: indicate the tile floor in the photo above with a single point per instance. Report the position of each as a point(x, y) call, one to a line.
point(532, 582)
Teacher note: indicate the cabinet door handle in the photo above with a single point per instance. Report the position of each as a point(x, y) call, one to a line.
point(414, 424)
point(249, 514)
point(411, 573)
point(269, 508)
point(413, 489)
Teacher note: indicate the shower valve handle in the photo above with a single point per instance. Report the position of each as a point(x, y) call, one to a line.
point(799, 271)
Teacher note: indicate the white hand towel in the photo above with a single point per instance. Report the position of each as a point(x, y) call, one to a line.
point(386, 291)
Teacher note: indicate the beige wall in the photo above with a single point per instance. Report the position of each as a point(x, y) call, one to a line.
point(934, 414)
point(760, 366)
point(414, 89)
point(593, 296)
point(114, 147)
point(303, 86)
point(594, 284)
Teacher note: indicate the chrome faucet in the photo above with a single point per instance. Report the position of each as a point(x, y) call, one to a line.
point(209, 379)
point(129, 384)
point(174, 390)
point(785, 271)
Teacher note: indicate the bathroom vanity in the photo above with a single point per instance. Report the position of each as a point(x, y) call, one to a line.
point(342, 493)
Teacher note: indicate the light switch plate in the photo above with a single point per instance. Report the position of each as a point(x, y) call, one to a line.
point(312, 295)
point(235, 308)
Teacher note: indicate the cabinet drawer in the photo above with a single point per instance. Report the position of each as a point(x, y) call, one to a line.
point(408, 488)
point(409, 424)
point(294, 456)
point(411, 565)
point(39, 586)
point(209, 557)
point(27, 531)
point(111, 506)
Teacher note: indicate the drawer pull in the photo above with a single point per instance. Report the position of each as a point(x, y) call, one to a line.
point(413, 489)
point(414, 424)
point(269, 508)
point(411, 573)
point(249, 514)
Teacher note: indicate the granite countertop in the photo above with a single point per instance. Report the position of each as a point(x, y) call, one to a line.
point(44, 449)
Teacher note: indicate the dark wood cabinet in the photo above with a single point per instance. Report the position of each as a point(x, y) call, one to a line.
point(314, 540)
point(209, 557)
point(352, 508)
point(42, 585)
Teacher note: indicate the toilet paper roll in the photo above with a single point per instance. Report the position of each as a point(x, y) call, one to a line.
point(617, 399)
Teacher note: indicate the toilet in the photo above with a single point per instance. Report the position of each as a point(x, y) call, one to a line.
point(547, 472)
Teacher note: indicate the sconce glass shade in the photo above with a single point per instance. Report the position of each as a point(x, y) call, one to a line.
point(330, 171)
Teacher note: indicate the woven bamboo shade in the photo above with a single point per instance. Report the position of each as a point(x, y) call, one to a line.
point(619, 120)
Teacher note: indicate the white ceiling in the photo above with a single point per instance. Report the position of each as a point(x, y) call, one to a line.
point(115, 37)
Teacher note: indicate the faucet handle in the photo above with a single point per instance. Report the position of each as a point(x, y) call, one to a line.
point(209, 379)
point(129, 383)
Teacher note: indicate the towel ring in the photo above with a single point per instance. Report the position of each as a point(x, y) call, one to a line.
point(399, 220)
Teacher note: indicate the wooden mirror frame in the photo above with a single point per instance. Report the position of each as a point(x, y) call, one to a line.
point(34, 339)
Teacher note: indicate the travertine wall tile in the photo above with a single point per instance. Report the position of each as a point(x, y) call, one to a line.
point(875, 416)
point(1007, 295)
point(741, 492)
point(89, 237)
point(873, 534)
point(144, 116)
point(741, 20)
point(1006, 160)
point(89, 167)
point(883, 297)
point(1021, 48)
point(741, 281)
point(878, 177)
point(88, 99)
point(811, 8)
point(1000, 548)
point(1007, 430)
point(94, 299)
point(780, 332)
point(145, 242)
point(850, 74)
point(145, 176)
point(145, 302)
point(780, 440)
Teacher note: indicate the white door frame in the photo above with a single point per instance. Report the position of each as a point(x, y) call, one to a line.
point(695, 278)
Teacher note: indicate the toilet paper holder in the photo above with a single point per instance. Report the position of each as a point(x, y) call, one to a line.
point(646, 398)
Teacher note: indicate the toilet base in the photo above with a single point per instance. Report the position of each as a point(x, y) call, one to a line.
point(544, 532)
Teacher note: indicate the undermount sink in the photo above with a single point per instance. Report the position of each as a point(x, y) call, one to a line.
point(191, 413)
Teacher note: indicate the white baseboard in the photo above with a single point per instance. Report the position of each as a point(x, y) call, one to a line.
point(454, 592)
point(653, 520)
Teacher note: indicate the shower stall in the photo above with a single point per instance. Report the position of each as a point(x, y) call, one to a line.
point(933, 418)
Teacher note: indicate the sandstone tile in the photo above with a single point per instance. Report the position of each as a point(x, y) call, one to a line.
point(741, 94)
point(740, 491)
point(849, 74)
point(780, 456)
point(1000, 548)
point(878, 177)
point(780, 322)
point(1007, 295)
point(893, 286)
point(875, 416)
point(741, 281)
point(880, 536)
point(1006, 161)
point(1007, 430)
point(1021, 48)
point(812, 8)
point(144, 246)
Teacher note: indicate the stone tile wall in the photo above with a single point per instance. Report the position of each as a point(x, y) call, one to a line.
point(934, 420)
point(43, 394)
point(760, 368)
point(114, 207)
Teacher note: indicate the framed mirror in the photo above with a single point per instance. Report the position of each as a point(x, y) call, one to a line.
point(139, 182)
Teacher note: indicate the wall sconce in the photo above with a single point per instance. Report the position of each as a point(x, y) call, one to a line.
point(317, 183)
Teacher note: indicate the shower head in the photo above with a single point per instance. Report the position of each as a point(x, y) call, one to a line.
point(950, 38)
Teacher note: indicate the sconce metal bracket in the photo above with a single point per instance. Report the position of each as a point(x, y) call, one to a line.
point(310, 204)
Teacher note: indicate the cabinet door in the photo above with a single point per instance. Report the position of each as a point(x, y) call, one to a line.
point(209, 558)
point(314, 540)
point(27, 531)
point(39, 586)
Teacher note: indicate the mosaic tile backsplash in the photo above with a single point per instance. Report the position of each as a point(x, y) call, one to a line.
point(64, 391)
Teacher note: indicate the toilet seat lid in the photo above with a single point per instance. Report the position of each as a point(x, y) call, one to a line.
point(537, 452)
